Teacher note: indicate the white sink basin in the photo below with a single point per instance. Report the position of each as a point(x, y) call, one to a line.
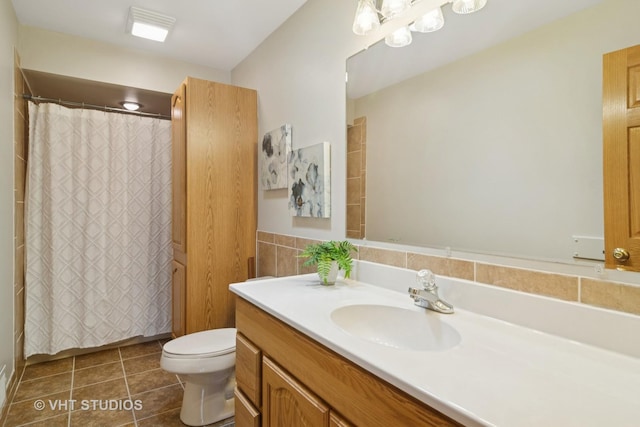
point(396, 327)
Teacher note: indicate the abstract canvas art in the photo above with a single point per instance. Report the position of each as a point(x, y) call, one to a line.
point(310, 181)
point(276, 145)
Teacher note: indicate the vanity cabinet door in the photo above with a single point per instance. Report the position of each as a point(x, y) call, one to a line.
point(246, 414)
point(287, 403)
point(248, 369)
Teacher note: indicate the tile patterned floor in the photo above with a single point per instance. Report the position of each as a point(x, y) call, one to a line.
point(124, 386)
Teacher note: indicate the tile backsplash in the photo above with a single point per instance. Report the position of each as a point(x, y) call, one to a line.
point(277, 256)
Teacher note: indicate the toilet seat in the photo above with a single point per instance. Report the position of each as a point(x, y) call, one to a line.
point(198, 345)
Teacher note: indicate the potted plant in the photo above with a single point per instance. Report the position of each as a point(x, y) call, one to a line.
point(330, 257)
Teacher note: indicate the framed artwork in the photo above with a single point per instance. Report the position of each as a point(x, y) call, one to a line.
point(310, 181)
point(276, 146)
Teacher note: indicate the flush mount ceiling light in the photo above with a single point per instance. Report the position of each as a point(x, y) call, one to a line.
point(148, 24)
point(130, 105)
point(368, 18)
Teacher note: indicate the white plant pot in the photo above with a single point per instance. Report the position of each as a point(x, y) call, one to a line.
point(332, 276)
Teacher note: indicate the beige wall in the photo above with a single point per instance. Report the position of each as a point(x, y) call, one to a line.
point(299, 73)
point(67, 55)
point(8, 40)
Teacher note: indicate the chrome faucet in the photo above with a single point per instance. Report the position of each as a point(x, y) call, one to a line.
point(427, 297)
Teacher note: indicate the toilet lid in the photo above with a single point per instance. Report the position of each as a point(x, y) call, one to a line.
point(215, 342)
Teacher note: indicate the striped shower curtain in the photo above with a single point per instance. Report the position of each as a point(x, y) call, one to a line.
point(97, 228)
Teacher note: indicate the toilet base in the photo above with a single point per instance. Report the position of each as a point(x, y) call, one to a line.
point(202, 405)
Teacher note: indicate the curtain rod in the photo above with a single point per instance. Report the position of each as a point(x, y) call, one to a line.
point(94, 107)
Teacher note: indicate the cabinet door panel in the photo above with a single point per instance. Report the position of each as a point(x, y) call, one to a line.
point(246, 415)
point(221, 198)
point(288, 403)
point(178, 284)
point(248, 369)
point(178, 170)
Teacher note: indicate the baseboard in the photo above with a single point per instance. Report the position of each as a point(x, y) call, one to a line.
point(3, 386)
point(10, 391)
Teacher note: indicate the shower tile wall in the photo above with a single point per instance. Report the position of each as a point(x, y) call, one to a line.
point(20, 149)
point(356, 177)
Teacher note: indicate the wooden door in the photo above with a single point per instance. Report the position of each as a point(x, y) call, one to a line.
point(178, 170)
point(287, 403)
point(621, 158)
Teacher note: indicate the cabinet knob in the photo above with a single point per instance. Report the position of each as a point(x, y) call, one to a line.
point(621, 254)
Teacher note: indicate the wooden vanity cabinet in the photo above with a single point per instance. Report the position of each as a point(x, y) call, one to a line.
point(303, 380)
point(214, 146)
point(286, 402)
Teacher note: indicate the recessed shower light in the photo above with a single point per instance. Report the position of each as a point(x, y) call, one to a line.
point(131, 106)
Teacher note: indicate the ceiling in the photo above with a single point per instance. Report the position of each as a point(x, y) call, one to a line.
point(214, 33)
point(221, 33)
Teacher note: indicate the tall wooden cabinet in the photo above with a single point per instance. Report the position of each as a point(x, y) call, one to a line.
point(214, 201)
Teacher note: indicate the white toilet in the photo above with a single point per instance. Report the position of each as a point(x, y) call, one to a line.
point(206, 363)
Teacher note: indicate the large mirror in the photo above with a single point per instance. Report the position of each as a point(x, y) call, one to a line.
point(486, 136)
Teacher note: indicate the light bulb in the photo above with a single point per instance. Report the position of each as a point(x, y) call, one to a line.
point(148, 31)
point(467, 6)
point(131, 106)
point(366, 19)
point(429, 22)
point(393, 8)
point(399, 38)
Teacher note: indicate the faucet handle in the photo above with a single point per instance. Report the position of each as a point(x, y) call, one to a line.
point(426, 278)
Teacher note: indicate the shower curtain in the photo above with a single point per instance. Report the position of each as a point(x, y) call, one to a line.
point(97, 228)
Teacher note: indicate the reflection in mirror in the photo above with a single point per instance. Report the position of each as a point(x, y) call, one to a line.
point(496, 151)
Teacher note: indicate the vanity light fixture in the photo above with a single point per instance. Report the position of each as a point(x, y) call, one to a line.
point(467, 6)
point(130, 105)
point(368, 17)
point(148, 24)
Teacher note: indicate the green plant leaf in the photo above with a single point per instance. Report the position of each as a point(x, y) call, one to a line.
point(323, 253)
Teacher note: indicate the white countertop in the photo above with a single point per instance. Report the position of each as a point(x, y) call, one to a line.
point(500, 374)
